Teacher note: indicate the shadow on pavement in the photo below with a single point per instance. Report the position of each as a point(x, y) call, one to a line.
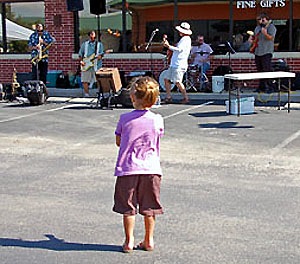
point(223, 125)
point(53, 243)
point(209, 114)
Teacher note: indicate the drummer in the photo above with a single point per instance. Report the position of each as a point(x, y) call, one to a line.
point(200, 55)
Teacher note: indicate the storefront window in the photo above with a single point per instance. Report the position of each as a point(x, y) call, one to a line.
point(214, 31)
point(19, 20)
point(217, 32)
point(282, 35)
point(110, 25)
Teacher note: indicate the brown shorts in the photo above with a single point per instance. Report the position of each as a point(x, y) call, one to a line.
point(142, 190)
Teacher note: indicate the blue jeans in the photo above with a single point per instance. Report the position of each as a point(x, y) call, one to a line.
point(206, 67)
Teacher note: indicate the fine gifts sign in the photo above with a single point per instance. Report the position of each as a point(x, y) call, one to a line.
point(261, 3)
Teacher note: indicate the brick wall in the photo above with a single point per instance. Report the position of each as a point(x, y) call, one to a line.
point(60, 57)
point(7, 67)
point(128, 65)
point(246, 63)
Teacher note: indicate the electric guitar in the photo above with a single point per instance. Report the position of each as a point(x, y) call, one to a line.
point(169, 52)
point(88, 62)
point(255, 39)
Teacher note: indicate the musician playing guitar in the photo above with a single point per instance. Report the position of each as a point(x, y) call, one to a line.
point(264, 47)
point(90, 50)
point(179, 61)
point(39, 43)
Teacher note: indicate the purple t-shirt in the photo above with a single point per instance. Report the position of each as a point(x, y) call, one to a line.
point(140, 132)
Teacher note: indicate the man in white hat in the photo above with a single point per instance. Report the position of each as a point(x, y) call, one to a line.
point(179, 62)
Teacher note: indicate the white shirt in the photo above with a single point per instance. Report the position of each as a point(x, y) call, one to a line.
point(181, 53)
point(204, 57)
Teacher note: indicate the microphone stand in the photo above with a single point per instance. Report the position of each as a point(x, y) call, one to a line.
point(230, 51)
point(147, 48)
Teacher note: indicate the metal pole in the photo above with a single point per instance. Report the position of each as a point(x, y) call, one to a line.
point(98, 27)
point(4, 38)
point(291, 26)
point(124, 27)
point(229, 96)
point(76, 30)
point(289, 94)
point(231, 21)
point(238, 93)
point(175, 20)
point(279, 91)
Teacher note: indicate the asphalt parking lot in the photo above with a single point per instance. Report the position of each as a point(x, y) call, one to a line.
point(230, 187)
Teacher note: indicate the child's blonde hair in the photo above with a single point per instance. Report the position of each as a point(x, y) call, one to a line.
point(145, 89)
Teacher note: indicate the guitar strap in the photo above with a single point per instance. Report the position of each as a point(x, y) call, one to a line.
point(86, 45)
point(96, 54)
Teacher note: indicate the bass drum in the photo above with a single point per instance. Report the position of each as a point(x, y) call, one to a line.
point(162, 82)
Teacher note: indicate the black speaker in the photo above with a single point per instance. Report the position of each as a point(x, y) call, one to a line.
point(97, 7)
point(74, 5)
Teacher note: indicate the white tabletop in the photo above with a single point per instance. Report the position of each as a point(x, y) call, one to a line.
point(260, 75)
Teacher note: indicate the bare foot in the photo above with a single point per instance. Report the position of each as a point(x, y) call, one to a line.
point(145, 246)
point(185, 101)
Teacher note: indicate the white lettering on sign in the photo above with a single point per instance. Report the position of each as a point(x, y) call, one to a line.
point(245, 4)
point(262, 3)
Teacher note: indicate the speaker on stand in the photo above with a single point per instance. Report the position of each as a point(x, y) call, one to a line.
point(75, 6)
point(98, 7)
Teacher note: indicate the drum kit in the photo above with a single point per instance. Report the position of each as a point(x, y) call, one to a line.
point(194, 79)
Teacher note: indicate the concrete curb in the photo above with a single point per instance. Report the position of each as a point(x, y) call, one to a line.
point(78, 93)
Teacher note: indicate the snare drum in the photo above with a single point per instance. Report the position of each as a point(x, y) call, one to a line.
point(193, 68)
point(162, 80)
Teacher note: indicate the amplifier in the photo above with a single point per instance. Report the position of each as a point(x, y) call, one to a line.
point(109, 79)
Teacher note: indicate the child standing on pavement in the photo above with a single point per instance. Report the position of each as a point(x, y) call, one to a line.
point(138, 168)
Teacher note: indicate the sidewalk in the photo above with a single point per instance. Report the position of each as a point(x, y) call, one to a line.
point(78, 93)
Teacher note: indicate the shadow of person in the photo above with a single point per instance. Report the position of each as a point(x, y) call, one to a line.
point(209, 114)
point(223, 125)
point(56, 244)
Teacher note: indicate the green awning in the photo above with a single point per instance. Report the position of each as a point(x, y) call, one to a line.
point(112, 21)
point(118, 3)
point(139, 2)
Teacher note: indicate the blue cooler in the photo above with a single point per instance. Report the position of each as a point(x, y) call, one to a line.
point(52, 77)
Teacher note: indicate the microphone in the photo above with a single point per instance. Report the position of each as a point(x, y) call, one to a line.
point(229, 47)
point(155, 30)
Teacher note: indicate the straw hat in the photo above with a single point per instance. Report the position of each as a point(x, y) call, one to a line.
point(184, 28)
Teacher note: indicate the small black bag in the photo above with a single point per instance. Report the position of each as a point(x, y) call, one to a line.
point(63, 81)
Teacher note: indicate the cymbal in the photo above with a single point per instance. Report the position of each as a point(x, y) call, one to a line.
point(202, 52)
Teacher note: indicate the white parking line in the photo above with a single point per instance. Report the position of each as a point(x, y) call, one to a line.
point(186, 110)
point(72, 105)
point(287, 141)
point(38, 113)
